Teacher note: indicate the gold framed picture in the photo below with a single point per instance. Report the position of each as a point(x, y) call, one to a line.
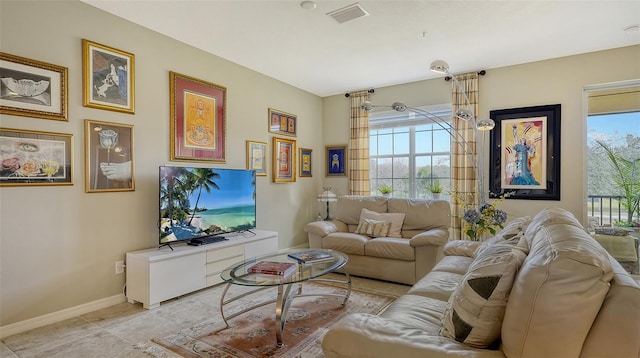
point(284, 160)
point(31, 158)
point(108, 78)
point(282, 122)
point(257, 157)
point(32, 88)
point(108, 157)
point(305, 162)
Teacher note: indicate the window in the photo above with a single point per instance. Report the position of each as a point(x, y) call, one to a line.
point(409, 152)
point(613, 120)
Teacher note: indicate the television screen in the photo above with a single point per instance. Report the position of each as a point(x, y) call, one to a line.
point(201, 202)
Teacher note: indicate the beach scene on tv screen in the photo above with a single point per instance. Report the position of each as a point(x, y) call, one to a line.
point(197, 202)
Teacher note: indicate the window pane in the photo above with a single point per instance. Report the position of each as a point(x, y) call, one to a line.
point(423, 142)
point(385, 145)
point(441, 141)
point(373, 145)
point(385, 169)
point(401, 143)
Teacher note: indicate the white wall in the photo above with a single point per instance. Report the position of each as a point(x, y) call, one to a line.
point(560, 80)
point(59, 244)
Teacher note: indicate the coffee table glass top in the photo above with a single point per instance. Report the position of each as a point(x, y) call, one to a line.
point(239, 274)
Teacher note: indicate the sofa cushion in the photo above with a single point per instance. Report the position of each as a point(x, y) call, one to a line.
point(559, 290)
point(349, 207)
point(373, 228)
point(476, 308)
point(417, 311)
point(390, 248)
point(345, 242)
point(438, 285)
point(513, 228)
point(396, 220)
point(421, 214)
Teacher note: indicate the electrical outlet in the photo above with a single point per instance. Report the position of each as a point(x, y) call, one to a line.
point(119, 267)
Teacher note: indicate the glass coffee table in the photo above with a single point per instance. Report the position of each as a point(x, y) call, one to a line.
point(289, 286)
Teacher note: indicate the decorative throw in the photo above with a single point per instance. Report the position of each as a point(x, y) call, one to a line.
point(396, 220)
point(373, 228)
point(476, 308)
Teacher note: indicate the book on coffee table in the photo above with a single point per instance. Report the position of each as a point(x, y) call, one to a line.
point(308, 256)
point(273, 268)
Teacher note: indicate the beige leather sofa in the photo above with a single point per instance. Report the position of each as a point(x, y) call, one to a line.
point(404, 256)
point(569, 298)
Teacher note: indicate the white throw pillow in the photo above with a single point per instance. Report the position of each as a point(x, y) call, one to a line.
point(396, 220)
point(476, 308)
point(373, 228)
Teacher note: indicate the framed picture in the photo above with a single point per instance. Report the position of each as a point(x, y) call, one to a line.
point(108, 78)
point(198, 119)
point(108, 157)
point(336, 160)
point(305, 162)
point(284, 160)
point(525, 155)
point(35, 158)
point(257, 157)
point(282, 122)
point(32, 88)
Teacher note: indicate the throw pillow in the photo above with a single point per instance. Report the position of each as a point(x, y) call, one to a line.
point(476, 308)
point(373, 228)
point(396, 220)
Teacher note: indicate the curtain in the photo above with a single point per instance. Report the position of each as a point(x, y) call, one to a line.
point(358, 158)
point(463, 176)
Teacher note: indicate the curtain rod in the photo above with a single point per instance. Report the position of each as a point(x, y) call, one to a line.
point(369, 90)
point(480, 73)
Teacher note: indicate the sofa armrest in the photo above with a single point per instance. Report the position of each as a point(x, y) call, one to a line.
point(324, 228)
point(435, 237)
point(366, 335)
point(461, 248)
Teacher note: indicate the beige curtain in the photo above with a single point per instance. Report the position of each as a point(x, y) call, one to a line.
point(358, 158)
point(463, 176)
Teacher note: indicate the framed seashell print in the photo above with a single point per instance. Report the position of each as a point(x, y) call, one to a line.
point(33, 88)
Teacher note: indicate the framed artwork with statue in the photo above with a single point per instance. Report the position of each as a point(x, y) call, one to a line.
point(336, 160)
point(525, 156)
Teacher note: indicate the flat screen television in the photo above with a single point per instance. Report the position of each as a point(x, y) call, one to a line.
point(197, 203)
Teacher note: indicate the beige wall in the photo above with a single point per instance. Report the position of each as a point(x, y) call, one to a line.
point(59, 244)
point(560, 80)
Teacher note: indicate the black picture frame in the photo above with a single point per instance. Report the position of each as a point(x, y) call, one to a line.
point(537, 130)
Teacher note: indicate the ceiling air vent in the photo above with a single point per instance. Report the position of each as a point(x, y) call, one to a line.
point(348, 13)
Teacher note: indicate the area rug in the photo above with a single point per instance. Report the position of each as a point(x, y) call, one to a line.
point(252, 334)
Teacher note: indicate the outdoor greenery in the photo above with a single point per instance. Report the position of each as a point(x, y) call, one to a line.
point(624, 169)
point(611, 172)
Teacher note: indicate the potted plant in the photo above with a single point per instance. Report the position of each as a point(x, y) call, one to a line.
point(385, 190)
point(436, 189)
point(626, 175)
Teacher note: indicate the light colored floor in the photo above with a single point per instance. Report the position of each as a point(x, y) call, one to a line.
point(125, 330)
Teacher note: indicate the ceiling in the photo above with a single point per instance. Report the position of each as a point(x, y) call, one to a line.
point(394, 44)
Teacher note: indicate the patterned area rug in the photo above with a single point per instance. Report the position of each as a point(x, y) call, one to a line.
point(252, 334)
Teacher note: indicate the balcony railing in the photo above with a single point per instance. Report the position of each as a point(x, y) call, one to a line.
point(607, 208)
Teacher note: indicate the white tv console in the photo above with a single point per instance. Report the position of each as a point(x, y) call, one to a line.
point(158, 274)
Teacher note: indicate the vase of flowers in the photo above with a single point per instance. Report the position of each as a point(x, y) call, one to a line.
point(482, 219)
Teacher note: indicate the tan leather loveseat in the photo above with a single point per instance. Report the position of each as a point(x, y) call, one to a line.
point(565, 297)
point(417, 231)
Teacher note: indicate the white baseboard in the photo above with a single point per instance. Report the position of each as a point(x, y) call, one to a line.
point(36, 322)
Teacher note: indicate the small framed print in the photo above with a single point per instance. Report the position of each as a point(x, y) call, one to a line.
point(198, 119)
point(284, 160)
point(305, 162)
point(336, 160)
point(32, 88)
point(108, 78)
point(257, 157)
point(31, 158)
point(108, 157)
point(282, 122)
